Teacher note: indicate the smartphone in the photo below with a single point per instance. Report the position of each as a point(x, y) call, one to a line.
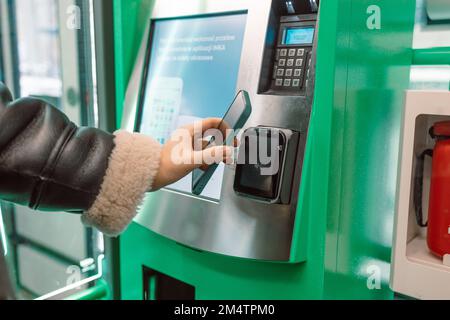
point(235, 118)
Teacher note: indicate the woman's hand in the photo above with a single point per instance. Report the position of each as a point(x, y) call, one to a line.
point(185, 151)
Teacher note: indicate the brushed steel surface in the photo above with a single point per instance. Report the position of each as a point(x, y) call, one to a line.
point(235, 226)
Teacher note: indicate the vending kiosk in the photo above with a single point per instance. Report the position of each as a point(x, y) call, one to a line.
point(190, 69)
point(329, 78)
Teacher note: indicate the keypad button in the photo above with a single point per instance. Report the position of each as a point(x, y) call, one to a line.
point(282, 62)
point(283, 52)
point(299, 62)
point(296, 83)
point(290, 63)
point(287, 82)
point(297, 72)
point(301, 52)
point(292, 52)
point(288, 72)
point(280, 72)
point(279, 82)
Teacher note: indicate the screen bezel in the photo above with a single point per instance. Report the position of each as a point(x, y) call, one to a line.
point(287, 29)
point(149, 51)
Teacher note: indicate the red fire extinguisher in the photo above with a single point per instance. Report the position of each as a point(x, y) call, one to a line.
point(438, 225)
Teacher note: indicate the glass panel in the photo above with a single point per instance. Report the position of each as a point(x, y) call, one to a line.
point(431, 30)
point(430, 33)
point(52, 255)
point(39, 48)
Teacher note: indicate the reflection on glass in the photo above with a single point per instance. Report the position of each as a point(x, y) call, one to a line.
point(39, 48)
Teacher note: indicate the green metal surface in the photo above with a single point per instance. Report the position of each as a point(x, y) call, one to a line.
point(432, 56)
point(348, 190)
point(366, 132)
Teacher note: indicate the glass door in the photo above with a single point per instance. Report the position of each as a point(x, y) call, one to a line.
point(49, 55)
point(432, 33)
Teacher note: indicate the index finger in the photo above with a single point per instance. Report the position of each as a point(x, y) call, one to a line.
point(216, 123)
point(207, 124)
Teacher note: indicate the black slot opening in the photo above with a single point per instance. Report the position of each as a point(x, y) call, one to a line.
point(158, 286)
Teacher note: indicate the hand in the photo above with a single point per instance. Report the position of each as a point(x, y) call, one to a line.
point(185, 151)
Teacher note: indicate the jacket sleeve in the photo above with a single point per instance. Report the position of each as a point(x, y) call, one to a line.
point(48, 163)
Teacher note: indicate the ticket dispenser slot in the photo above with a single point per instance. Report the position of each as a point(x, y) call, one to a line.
point(158, 286)
point(266, 165)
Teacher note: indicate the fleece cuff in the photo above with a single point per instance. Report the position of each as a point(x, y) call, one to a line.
point(133, 165)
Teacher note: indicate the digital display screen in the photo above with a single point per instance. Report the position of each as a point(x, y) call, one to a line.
point(192, 75)
point(299, 36)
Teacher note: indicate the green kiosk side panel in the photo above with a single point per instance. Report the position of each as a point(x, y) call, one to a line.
point(367, 120)
point(351, 160)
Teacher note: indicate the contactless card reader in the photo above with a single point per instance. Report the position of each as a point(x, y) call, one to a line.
point(266, 164)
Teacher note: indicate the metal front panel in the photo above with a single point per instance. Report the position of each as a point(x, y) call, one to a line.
point(236, 226)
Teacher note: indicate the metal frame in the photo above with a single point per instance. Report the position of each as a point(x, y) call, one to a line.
point(104, 42)
point(106, 87)
point(10, 54)
point(86, 81)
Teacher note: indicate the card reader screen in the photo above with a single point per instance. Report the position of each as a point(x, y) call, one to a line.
point(299, 36)
point(192, 70)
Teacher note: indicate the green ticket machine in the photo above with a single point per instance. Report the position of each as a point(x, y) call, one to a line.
point(330, 78)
